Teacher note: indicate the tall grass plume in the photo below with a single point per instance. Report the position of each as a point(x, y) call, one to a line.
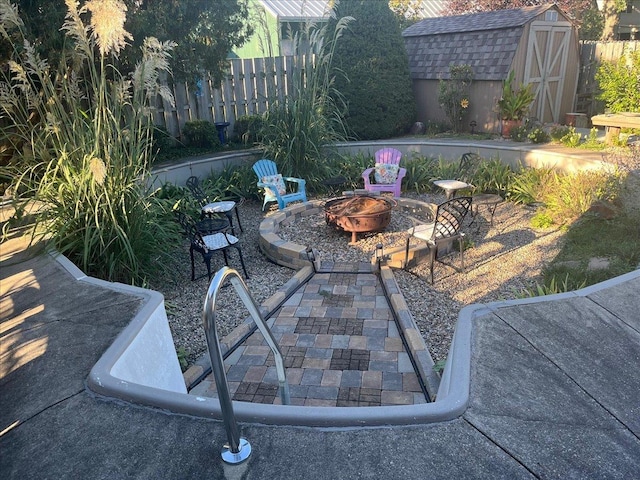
point(79, 142)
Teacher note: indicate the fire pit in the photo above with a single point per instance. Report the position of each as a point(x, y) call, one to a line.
point(359, 213)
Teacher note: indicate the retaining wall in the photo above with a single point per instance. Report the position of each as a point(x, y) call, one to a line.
point(515, 154)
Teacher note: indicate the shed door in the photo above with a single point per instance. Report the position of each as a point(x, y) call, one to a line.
point(546, 66)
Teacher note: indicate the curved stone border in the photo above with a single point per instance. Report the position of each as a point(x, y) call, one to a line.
point(107, 378)
point(178, 173)
point(293, 255)
point(453, 392)
point(287, 254)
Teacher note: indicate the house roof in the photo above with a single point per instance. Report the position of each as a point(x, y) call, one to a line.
point(430, 8)
point(297, 10)
point(487, 41)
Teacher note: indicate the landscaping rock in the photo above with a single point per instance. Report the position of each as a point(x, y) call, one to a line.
point(606, 210)
point(598, 263)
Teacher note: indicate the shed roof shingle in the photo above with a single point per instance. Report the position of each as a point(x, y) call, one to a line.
point(475, 21)
point(487, 41)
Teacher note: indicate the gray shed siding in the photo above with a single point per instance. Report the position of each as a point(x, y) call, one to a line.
point(493, 43)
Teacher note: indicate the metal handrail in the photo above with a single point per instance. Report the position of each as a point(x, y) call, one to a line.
point(238, 449)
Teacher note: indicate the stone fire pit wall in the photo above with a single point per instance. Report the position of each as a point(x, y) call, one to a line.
point(287, 254)
point(292, 255)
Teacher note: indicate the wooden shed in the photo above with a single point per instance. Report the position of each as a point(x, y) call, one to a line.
point(539, 43)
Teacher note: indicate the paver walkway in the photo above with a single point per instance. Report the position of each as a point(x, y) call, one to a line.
point(340, 346)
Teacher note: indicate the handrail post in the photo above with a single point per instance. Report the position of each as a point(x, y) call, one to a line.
point(238, 449)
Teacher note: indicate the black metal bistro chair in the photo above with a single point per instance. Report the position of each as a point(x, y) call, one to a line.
point(209, 242)
point(211, 209)
point(445, 227)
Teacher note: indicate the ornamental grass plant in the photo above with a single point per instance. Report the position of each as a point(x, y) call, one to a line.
point(297, 129)
point(78, 139)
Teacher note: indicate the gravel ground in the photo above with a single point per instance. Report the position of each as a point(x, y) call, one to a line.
point(505, 259)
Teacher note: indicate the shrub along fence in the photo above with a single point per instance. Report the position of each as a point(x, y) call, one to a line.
point(592, 54)
point(253, 84)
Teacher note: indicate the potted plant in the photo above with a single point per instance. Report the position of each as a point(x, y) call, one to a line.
point(514, 103)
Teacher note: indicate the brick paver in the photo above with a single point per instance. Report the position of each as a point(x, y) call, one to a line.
point(340, 347)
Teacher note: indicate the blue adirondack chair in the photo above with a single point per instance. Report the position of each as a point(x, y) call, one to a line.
point(275, 186)
point(387, 172)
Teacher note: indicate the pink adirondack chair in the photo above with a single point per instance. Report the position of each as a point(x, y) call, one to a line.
point(387, 172)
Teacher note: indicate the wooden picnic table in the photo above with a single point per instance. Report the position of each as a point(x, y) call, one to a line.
point(613, 122)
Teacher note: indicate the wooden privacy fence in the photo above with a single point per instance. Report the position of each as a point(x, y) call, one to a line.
point(250, 87)
point(592, 54)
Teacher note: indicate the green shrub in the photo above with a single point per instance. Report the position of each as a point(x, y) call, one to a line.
point(619, 83)
point(527, 185)
point(420, 173)
point(571, 138)
point(558, 131)
point(519, 133)
point(568, 196)
point(350, 167)
point(375, 84)
point(201, 133)
point(231, 183)
point(444, 169)
point(592, 142)
point(515, 101)
point(453, 94)
point(247, 128)
point(492, 176)
point(552, 287)
point(162, 139)
point(541, 220)
point(538, 135)
point(433, 128)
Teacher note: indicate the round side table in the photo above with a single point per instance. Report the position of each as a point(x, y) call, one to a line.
point(226, 207)
point(451, 187)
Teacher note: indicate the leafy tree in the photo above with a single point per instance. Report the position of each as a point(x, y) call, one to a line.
point(619, 83)
point(42, 20)
point(376, 85)
point(459, 7)
point(592, 24)
point(610, 11)
point(407, 11)
point(205, 32)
